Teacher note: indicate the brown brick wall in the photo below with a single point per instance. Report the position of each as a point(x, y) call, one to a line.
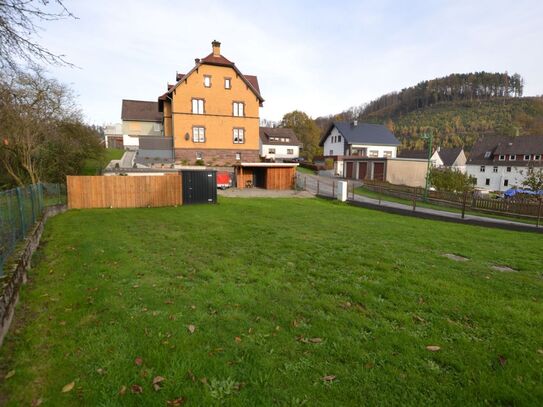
point(215, 156)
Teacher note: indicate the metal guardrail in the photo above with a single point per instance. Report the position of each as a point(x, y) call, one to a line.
point(20, 208)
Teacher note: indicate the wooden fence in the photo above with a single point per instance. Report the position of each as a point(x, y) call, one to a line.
point(123, 192)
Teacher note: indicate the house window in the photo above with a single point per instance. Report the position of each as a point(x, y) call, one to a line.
point(526, 157)
point(487, 181)
point(482, 169)
point(505, 182)
point(198, 134)
point(238, 156)
point(494, 169)
point(271, 150)
point(374, 153)
point(339, 139)
point(239, 136)
point(331, 152)
point(512, 157)
point(290, 151)
point(198, 106)
point(199, 156)
point(508, 169)
point(227, 83)
point(207, 81)
point(387, 154)
point(537, 157)
point(488, 154)
point(501, 158)
point(287, 140)
point(238, 109)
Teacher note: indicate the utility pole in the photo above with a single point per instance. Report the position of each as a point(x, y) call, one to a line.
point(430, 138)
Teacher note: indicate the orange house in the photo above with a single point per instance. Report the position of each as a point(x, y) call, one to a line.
point(212, 113)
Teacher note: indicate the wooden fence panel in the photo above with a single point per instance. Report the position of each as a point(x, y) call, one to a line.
point(123, 192)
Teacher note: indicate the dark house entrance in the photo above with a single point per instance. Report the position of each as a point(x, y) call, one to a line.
point(199, 187)
point(379, 171)
point(350, 166)
point(362, 170)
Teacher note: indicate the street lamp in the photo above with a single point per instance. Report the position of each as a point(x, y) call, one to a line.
point(430, 138)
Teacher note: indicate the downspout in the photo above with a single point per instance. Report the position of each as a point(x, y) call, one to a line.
point(173, 133)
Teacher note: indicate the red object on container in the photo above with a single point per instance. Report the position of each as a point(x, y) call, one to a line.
point(224, 180)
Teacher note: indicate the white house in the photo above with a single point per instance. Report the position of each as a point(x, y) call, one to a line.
point(358, 139)
point(499, 162)
point(140, 118)
point(278, 143)
point(113, 135)
point(453, 158)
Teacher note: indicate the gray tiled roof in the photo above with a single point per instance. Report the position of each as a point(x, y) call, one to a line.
point(363, 133)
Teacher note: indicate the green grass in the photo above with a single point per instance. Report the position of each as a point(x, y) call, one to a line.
point(375, 195)
point(93, 166)
point(304, 170)
point(258, 278)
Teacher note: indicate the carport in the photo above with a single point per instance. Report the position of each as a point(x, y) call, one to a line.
point(265, 175)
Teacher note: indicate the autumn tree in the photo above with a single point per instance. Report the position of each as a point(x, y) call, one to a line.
point(446, 179)
point(306, 130)
point(534, 179)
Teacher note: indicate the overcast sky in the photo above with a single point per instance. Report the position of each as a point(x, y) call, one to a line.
point(317, 56)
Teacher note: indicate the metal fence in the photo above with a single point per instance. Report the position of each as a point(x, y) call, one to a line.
point(20, 208)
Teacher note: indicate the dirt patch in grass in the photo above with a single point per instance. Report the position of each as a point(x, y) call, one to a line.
point(455, 257)
point(504, 269)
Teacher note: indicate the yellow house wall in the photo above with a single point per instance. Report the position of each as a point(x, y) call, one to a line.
point(167, 118)
point(218, 119)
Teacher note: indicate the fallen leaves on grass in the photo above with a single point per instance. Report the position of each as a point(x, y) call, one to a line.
point(328, 378)
point(69, 387)
point(138, 361)
point(308, 340)
point(433, 348)
point(237, 339)
point(100, 371)
point(122, 391)
point(416, 318)
point(157, 382)
point(176, 402)
point(540, 351)
point(168, 302)
point(9, 374)
point(502, 359)
point(191, 328)
point(191, 376)
point(136, 389)
point(36, 402)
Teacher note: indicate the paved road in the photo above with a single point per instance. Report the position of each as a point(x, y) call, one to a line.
point(326, 185)
point(127, 161)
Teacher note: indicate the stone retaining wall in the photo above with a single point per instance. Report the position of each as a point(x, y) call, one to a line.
point(15, 272)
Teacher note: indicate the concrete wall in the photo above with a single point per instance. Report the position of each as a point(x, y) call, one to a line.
point(406, 172)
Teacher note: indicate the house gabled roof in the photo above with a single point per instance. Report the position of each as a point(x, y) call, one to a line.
point(487, 149)
point(362, 133)
point(140, 110)
point(449, 155)
point(266, 133)
point(250, 80)
point(418, 154)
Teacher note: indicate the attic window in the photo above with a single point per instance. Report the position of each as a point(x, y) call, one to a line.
point(526, 157)
point(512, 157)
point(501, 158)
point(488, 154)
point(339, 139)
point(207, 81)
point(537, 157)
point(227, 83)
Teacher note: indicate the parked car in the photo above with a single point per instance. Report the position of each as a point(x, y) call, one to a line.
point(224, 180)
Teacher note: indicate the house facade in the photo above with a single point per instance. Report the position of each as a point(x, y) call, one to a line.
point(139, 118)
point(357, 139)
point(453, 158)
point(499, 163)
point(113, 135)
point(278, 144)
point(212, 112)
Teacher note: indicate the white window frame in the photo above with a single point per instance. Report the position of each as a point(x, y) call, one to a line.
point(388, 154)
point(198, 106)
point(290, 151)
point(207, 81)
point(537, 157)
point(527, 155)
point(238, 135)
point(238, 109)
point(238, 156)
point(271, 150)
point(501, 157)
point(229, 82)
point(482, 168)
point(198, 134)
point(494, 169)
point(512, 157)
point(374, 153)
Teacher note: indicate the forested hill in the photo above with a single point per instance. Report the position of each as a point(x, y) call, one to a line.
point(457, 109)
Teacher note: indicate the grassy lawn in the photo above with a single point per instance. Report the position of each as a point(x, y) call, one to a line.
point(303, 170)
point(93, 167)
point(375, 195)
point(290, 302)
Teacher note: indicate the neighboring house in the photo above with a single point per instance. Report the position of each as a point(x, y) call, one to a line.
point(357, 139)
point(500, 162)
point(113, 135)
point(140, 118)
point(453, 158)
point(212, 112)
point(277, 143)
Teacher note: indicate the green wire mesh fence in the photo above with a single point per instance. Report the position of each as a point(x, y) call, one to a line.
point(20, 208)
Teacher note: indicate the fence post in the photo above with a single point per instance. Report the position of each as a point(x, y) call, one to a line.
point(539, 212)
point(318, 189)
point(334, 188)
point(352, 189)
point(21, 211)
point(379, 192)
point(305, 182)
point(464, 199)
point(414, 202)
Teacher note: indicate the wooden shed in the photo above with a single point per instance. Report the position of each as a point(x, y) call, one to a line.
point(266, 175)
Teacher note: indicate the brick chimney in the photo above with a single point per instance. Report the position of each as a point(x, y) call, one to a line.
point(216, 48)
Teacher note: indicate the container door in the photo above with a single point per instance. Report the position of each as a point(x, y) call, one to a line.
point(199, 187)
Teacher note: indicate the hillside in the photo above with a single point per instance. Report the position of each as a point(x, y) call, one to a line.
point(460, 123)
